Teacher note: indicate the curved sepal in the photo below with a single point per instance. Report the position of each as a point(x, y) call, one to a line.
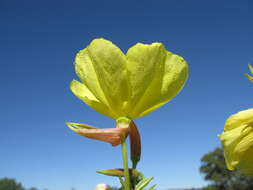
point(115, 136)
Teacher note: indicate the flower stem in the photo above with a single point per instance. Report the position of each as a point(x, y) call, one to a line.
point(126, 170)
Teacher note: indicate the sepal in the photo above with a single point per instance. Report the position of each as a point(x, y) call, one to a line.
point(115, 136)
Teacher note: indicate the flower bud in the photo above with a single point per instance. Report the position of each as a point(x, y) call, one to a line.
point(135, 143)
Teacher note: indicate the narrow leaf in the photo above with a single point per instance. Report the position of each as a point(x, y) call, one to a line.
point(119, 172)
point(249, 77)
point(121, 181)
point(143, 183)
point(152, 187)
point(112, 172)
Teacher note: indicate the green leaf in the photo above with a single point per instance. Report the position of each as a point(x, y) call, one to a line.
point(143, 183)
point(152, 187)
point(112, 172)
point(121, 181)
point(249, 77)
point(119, 172)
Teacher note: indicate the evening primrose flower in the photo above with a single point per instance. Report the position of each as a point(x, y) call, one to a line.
point(237, 140)
point(247, 75)
point(127, 85)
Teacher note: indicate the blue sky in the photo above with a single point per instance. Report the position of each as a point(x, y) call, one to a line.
point(38, 43)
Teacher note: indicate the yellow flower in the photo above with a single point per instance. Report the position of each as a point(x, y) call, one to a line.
point(127, 85)
point(251, 70)
point(237, 140)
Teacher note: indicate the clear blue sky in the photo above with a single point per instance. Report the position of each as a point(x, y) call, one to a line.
point(38, 43)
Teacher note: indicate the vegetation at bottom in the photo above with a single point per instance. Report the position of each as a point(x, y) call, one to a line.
point(12, 184)
point(213, 168)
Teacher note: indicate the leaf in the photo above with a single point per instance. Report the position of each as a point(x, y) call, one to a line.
point(121, 181)
point(119, 172)
point(152, 187)
point(112, 172)
point(143, 183)
point(249, 77)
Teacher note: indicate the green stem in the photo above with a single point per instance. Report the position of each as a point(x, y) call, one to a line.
point(126, 170)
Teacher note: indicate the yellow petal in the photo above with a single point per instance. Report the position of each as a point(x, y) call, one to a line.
point(230, 140)
point(143, 63)
point(83, 93)
point(156, 76)
point(237, 140)
point(88, 75)
point(134, 84)
point(110, 65)
point(241, 118)
point(174, 77)
point(246, 162)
